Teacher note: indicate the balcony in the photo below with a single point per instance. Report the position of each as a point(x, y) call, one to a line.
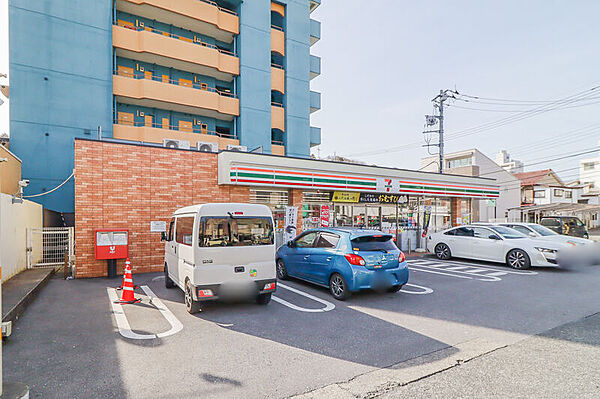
point(277, 148)
point(315, 31)
point(202, 16)
point(277, 116)
point(315, 101)
point(155, 133)
point(163, 48)
point(315, 66)
point(277, 78)
point(169, 95)
point(315, 136)
point(277, 40)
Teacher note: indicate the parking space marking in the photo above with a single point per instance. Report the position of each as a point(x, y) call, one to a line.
point(158, 278)
point(437, 272)
point(424, 290)
point(476, 273)
point(328, 305)
point(123, 324)
point(502, 269)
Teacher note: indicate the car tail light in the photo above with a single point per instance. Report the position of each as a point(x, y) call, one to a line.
point(205, 293)
point(355, 260)
point(269, 286)
point(401, 257)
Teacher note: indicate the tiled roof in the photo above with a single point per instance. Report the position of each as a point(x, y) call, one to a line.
point(531, 178)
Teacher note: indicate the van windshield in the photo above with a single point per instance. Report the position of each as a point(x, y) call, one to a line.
point(235, 232)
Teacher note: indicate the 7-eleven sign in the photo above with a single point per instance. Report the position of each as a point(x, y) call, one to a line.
point(387, 185)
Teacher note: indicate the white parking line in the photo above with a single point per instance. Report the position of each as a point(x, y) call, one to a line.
point(158, 278)
point(328, 305)
point(123, 323)
point(493, 268)
point(424, 290)
point(436, 272)
point(474, 273)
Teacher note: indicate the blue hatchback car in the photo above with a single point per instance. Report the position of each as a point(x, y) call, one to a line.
point(344, 260)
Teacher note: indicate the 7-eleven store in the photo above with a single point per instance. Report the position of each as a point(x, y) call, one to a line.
point(389, 199)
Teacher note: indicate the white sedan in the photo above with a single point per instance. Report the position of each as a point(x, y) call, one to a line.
point(495, 244)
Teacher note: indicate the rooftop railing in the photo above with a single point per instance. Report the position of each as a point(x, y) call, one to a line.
point(195, 128)
point(191, 85)
point(178, 37)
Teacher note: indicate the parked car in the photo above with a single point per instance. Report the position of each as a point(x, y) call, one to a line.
point(344, 260)
point(215, 251)
point(565, 225)
point(543, 233)
point(495, 244)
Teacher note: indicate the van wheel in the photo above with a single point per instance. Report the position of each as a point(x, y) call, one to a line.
point(190, 305)
point(263, 299)
point(281, 270)
point(338, 287)
point(168, 282)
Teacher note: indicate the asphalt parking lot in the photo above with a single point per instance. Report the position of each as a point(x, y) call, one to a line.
point(74, 342)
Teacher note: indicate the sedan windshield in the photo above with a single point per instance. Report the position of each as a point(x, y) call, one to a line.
point(508, 233)
point(541, 230)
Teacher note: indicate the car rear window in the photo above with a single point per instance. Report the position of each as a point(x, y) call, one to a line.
point(374, 243)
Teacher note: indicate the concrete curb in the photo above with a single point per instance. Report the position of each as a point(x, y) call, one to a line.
point(378, 382)
point(17, 310)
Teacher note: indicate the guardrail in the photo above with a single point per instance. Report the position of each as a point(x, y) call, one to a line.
point(178, 37)
point(176, 128)
point(191, 85)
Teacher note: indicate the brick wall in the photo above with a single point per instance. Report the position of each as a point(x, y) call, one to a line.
point(128, 186)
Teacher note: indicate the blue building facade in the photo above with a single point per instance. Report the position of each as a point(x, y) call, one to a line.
point(224, 72)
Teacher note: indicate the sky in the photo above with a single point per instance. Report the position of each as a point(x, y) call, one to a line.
point(384, 60)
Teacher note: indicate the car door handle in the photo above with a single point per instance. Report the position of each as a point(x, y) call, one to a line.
point(306, 257)
point(329, 258)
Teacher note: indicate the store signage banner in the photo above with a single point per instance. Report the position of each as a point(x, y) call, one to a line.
point(344, 196)
point(324, 215)
point(426, 219)
point(291, 223)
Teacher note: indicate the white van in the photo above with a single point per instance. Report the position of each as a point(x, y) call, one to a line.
point(217, 251)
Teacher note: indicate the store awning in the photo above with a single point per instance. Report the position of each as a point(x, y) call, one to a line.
point(248, 169)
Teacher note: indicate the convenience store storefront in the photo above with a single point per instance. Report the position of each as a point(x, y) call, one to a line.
point(397, 201)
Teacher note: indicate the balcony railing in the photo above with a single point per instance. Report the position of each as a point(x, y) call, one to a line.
point(276, 104)
point(178, 37)
point(177, 129)
point(276, 27)
point(197, 86)
point(219, 7)
point(274, 65)
point(277, 142)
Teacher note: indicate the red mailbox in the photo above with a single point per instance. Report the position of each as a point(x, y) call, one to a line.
point(112, 243)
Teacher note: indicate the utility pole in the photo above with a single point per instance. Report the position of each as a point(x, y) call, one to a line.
point(432, 120)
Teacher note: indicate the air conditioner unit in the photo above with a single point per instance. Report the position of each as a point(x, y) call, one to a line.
point(238, 148)
point(172, 143)
point(207, 147)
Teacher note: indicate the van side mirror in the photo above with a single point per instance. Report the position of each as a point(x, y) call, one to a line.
point(163, 236)
point(291, 244)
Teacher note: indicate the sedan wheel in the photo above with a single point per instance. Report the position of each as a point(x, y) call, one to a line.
point(518, 259)
point(442, 251)
point(338, 287)
point(281, 270)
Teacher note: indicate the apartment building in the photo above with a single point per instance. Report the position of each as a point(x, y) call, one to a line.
point(197, 73)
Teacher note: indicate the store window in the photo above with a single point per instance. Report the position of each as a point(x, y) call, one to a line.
point(276, 200)
point(312, 201)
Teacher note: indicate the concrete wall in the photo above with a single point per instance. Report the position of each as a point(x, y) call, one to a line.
point(10, 172)
point(14, 221)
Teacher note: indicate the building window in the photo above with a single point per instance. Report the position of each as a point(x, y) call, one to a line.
point(589, 166)
point(568, 194)
point(539, 194)
point(460, 162)
point(558, 192)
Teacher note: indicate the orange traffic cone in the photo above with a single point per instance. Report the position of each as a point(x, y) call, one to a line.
point(128, 295)
point(127, 266)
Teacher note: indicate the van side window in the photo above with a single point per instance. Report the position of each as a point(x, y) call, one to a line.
point(184, 230)
point(214, 232)
point(171, 227)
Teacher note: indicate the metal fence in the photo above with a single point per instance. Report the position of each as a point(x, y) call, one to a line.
point(47, 247)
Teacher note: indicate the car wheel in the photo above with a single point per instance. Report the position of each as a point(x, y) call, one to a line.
point(395, 288)
point(518, 259)
point(263, 299)
point(338, 287)
point(586, 236)
point(442, 252)
point(190, 305)
point(281, 270)
point(168, 282)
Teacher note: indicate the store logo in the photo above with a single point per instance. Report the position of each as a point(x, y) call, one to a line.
point(388, 185)
point(112, 249)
